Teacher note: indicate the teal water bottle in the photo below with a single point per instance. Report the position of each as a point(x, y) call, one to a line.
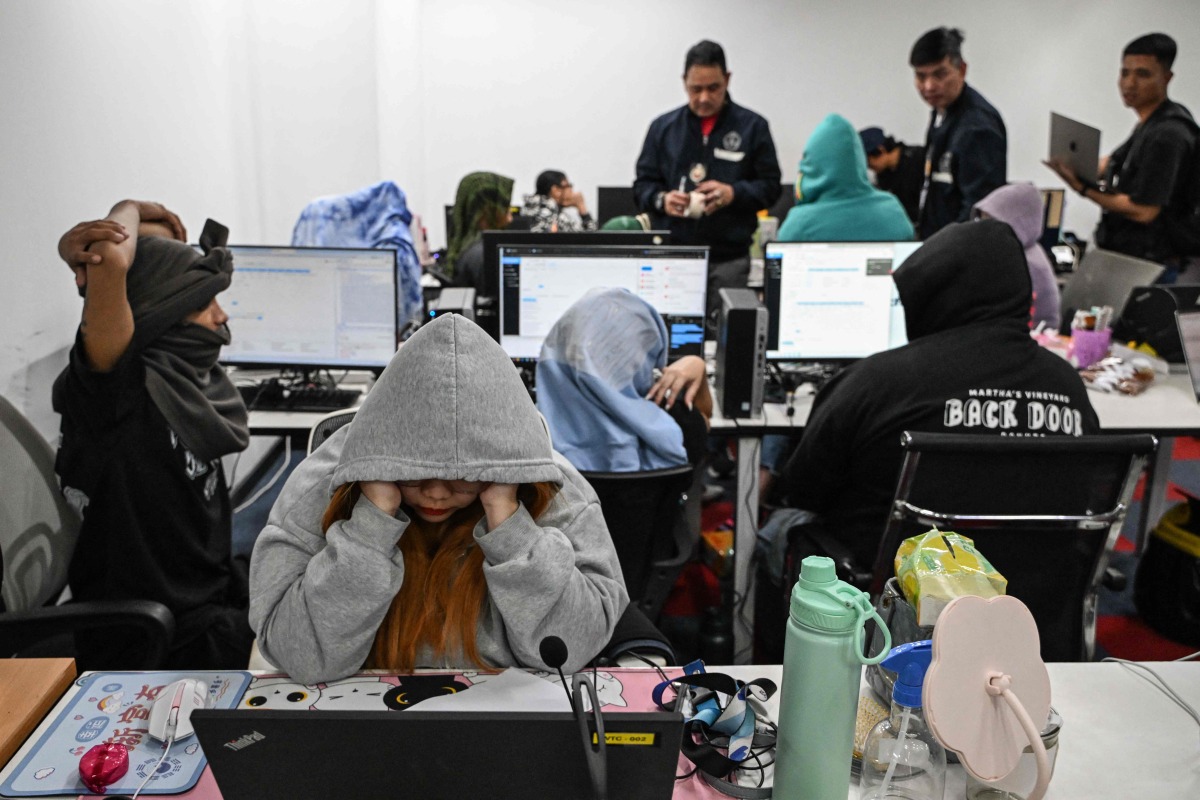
point(818, 701)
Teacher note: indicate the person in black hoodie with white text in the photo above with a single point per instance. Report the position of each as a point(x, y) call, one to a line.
point(970, 367)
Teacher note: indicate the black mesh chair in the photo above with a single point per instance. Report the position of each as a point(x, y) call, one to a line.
point(654, 520)
point(327, 425)
point(1046, 512)
point(38, 531)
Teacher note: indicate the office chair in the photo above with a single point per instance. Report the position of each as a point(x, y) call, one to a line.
point(38, 531)
point(1046, 512)
point(653, 518)
point(327, 425)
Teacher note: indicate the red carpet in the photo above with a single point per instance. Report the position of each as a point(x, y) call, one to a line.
point(1130, 638)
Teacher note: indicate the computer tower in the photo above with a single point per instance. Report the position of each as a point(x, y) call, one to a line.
point(741, 353)
point(453, 300)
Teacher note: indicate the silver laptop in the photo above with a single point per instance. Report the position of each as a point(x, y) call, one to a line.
point(1105, 278)
point(1189, 335)
point(1076, 145)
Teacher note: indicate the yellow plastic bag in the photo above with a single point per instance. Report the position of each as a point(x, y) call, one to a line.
point(936, 567)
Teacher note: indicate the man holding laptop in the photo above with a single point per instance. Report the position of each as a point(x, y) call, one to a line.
point(1148, 173)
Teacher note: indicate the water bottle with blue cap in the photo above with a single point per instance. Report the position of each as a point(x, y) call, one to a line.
point(822, 667)
point(901, 757)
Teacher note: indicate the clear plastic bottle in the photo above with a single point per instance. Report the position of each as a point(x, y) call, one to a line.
point(901, 757)
point(822, 665)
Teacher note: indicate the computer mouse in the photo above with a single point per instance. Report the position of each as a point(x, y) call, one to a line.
point(170, 716)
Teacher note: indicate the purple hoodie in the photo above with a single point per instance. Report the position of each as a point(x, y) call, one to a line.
point(1020, 205)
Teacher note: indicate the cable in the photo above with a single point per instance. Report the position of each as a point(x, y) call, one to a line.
point(287, 462)
point(1160, 683)
point(153, 770)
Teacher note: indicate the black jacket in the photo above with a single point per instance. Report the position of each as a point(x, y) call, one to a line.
point(1151, 167)
point(739, 151)
point(965, 159)
point(970, 367)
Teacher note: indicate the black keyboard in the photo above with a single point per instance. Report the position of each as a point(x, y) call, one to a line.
point(272, 396)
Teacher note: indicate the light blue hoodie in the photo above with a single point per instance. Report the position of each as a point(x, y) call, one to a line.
point(835, 201)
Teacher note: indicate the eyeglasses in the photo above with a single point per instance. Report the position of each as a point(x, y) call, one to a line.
point(458, 487)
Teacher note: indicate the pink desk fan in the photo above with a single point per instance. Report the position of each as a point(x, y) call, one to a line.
point(985, 686)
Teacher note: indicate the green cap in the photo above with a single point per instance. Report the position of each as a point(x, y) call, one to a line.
point(820, 600)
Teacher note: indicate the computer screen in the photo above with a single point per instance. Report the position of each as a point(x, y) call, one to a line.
point(539, 283)
point(833, 300)
point(311, 307)
point(487, 290)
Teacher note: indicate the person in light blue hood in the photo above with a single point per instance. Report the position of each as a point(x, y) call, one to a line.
point(1020, 206)
point(439, 528)
point(596, 368)
point(835, 201)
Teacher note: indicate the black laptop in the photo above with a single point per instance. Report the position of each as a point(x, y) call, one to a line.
point(261, 755)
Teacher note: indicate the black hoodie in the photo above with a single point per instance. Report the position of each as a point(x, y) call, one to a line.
point(970, 367)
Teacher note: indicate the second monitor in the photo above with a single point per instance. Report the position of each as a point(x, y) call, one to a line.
point(833, 301)
point(539, 283)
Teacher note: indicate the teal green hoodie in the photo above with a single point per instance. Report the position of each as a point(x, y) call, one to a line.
point(835, 201)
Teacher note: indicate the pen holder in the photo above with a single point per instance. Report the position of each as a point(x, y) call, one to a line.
point(1088, 347)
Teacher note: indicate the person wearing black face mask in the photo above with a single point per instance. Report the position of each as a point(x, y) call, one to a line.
point(147, 414)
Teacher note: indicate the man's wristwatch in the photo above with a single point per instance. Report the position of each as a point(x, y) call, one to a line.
point(658, 201)
point(1085, 185)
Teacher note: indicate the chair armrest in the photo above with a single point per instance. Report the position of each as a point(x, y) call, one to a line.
point(156, 623)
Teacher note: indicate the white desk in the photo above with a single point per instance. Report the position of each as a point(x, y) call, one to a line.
point(1121, 738)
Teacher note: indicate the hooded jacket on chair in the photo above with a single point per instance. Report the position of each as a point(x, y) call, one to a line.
point(451, 406)
point(970, 367)
point(835, 201)
point(1020, 205)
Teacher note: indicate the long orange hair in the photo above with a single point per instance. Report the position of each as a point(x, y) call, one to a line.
point(443, 592)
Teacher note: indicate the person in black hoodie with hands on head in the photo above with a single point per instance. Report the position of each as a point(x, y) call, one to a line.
point(970, 367)
point(147, 415)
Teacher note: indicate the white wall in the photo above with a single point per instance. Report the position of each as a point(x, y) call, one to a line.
point(243, 110)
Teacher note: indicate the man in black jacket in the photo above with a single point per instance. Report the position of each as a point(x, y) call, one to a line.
point(966, 144)
point(707, 168)
point(970, 367)
point(1149, 172)
point(899, 168)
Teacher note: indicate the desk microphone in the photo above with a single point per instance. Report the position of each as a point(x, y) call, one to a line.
point(553, 651)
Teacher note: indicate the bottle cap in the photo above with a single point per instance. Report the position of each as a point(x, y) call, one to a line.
point(820, 600)
point(909, 662)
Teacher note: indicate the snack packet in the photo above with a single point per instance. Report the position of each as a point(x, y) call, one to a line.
point(936, 567)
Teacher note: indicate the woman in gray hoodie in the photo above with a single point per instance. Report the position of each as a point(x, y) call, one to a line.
point(438, 529)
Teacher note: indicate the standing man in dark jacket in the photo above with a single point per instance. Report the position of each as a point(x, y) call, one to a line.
point(965, 145)
point(707, 168)
point(1148, 173)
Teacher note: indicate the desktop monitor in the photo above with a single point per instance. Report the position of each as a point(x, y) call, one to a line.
point(833, 301)
point(311, 308)
point(487, 290)
point(539, 283)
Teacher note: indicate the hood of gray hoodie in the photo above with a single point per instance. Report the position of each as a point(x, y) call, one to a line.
point(1018, 204)
point(450, 405)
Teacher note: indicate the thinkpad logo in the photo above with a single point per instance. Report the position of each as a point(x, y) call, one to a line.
point(245, 741)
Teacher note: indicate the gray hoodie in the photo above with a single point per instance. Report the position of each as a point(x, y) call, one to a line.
point(450, 405)
point(1020, 205)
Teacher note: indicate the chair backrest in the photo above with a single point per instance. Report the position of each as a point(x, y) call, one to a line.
point(1045, 512)
point(654, 533)
point(327, 425)
point(38, 529)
